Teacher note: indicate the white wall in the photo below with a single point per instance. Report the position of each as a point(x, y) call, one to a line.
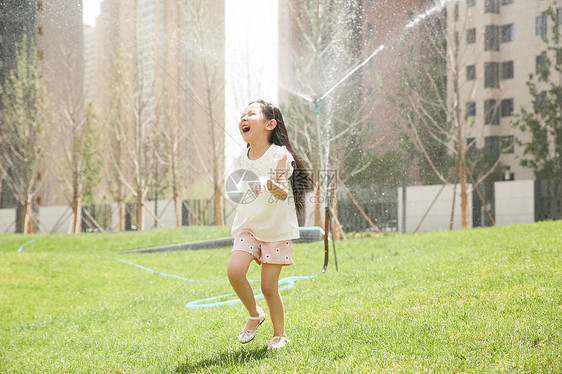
point(515, 202)
point(7, 219)
point(418, 201)
point(55, 219)
point(52, 219)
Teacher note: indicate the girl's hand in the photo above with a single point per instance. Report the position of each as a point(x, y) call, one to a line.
point(277, 190)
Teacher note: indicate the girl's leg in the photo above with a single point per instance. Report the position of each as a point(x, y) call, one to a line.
point(237, 268)
point(270, 289)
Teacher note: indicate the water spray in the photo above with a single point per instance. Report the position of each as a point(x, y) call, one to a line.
point(324, 160)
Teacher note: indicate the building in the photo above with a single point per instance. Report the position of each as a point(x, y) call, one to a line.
point(163, 61)
point(90, 64)
point(55, 26)
point(499, 46)
point(384, 24)
point(16, 18)
point(60, 50)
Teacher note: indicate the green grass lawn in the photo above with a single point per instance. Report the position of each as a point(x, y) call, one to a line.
point(481, 300)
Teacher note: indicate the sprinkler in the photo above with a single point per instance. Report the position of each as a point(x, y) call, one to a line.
point(316, 102)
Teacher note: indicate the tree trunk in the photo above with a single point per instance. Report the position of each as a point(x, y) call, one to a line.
point(76, 215)
point(76, 204)
point(120, 210)
point(175, 193)
point(218, 205)
point(177, 208)
point(28, 216)
point(462, 182)
point(318, 206)
point(140, 213)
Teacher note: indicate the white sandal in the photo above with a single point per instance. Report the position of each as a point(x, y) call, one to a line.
point(247, 336)
point(281, 342)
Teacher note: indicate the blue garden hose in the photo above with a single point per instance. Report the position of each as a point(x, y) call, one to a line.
point(206, 303)
point(24, 244)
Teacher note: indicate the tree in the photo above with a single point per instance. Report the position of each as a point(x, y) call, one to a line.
point(133, 117)
point(170, 110)
point(543, 151)
point(22, 125)
point(421, 99)
point(430, 106)
point(207, 92)
point(78, 137)
point(139, 133)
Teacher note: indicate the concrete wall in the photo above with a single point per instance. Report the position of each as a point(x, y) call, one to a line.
point(58, 219)
point(515, 202)
point(55, 219)
point(52, 219)
point(166, 214)
point(7, 220)
point(418, 201)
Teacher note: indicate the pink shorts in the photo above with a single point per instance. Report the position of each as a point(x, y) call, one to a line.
point(264, 252)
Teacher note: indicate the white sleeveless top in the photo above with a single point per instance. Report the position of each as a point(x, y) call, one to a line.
point(266, 217)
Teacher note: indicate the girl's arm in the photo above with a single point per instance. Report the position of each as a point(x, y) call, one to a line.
point(279, 187)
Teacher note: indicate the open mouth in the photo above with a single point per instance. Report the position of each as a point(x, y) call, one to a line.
point(245, 128)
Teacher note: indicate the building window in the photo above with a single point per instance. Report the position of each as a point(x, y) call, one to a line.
point(40, 54)
point(492, 6)
point(507, 34)
point(507, 70)
point(38, 200)
point(39, 30)
point(370, 30)
point(471, 109)
point(470, 72)
point(492, 145)
point(507, 144)
point(491, 112)
point(39, 5)
point(540, 26)
point(540, 62)
point(470, 142)
point(492, 38)
point(470, 36)
point(492, 75)
point(506, 107)
point(470, 3)
point(507, 2)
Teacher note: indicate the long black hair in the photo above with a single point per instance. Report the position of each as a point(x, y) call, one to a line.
point(301, 179)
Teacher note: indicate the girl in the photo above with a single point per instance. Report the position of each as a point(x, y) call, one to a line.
point(265, 225)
